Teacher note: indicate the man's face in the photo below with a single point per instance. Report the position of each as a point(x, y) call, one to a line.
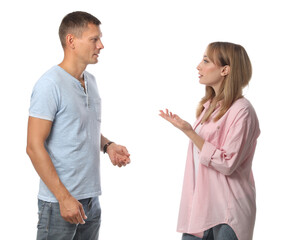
point(88, 46)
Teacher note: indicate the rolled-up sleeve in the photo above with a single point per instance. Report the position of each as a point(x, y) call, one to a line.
point(238, 144)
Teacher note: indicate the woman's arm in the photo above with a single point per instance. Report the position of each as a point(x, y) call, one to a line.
point(239, 142)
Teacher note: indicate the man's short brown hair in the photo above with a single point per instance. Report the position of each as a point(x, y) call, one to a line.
point(75, 23)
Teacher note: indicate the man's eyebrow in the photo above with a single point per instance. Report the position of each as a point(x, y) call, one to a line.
point(96, 36)
point(99, 35)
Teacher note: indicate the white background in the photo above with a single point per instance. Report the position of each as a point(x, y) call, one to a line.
point(149, 62)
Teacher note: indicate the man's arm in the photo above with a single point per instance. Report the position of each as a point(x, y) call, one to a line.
point(38, 131)
point(118, 154)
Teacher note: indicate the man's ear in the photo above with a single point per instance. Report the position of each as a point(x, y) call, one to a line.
point(225, 70)
point(70, 41)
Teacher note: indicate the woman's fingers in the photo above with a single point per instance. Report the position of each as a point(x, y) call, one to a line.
point(168, 115)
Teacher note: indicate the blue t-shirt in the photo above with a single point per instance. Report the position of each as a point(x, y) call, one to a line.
point(74, 140)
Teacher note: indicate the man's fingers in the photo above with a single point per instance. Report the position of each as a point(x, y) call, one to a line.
point(82, 212)
point(72, 211)
point(71, 219)
point(114, 159)
point(68, 219)
point(79, 218)
point(127, 160)
point(120, 158)
point(124, 150)
point(123, 161)
point(76, 218)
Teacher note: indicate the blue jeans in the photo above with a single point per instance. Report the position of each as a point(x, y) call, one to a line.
point(219, 232)
point(51, 225)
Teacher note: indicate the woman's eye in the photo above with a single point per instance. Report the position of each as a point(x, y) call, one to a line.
point(205, 61)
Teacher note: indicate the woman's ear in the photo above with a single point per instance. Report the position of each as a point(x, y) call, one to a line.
point(225, 70)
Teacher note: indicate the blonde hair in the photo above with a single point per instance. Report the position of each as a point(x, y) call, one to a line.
point(235, 56)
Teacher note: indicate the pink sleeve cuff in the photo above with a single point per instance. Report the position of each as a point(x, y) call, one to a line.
point(206, 153)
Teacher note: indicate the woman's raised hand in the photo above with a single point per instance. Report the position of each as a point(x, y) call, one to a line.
point(176, 120)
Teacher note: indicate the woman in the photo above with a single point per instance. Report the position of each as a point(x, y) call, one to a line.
point(218, 197)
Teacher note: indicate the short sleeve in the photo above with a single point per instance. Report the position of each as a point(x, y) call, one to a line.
point(44, 100)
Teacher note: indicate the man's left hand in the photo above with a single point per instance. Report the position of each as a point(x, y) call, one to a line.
point(118, 155)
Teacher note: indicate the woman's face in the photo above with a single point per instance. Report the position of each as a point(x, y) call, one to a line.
point(210, 74)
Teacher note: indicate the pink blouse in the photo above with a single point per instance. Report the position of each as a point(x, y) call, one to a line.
point(224, 190)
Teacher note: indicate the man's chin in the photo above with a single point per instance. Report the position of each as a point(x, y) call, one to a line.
point(93, 61)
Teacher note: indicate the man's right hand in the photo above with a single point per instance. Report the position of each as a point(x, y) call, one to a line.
point(38, 131)
point(72, 210)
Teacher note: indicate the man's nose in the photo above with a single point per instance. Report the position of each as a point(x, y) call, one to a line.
point(100, 45)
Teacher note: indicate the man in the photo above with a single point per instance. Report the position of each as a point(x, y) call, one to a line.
point(64, 139)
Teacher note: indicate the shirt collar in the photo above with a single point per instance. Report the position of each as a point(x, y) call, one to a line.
point(207, 104)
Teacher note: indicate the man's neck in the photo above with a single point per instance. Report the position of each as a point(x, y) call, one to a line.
point(73, 68)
